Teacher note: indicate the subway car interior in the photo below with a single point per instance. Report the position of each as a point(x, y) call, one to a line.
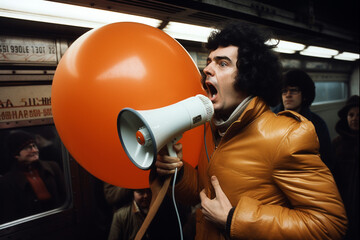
point(318, 36)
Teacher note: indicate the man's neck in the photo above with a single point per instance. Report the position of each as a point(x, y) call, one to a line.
point(222, 125)
point(298, 110)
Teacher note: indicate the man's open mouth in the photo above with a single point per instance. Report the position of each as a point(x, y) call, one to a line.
point(211, 89)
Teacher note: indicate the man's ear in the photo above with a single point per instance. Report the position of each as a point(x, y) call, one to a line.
point(303, 99)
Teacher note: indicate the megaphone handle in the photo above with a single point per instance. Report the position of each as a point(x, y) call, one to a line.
point(171, 150)
point(170, 147)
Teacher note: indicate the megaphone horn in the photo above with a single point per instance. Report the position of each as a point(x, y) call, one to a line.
point(144, 133)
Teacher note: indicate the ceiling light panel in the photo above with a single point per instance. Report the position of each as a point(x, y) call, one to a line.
point(348, 56)
point(188, 31)
point(66, 14)
point(320, 51)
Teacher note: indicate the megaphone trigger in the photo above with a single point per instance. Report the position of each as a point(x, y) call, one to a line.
point(170, 146)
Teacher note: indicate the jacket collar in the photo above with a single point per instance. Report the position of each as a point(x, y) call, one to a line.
point(254, 109)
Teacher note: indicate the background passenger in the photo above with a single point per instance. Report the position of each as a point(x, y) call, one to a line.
point(298, 93)
point(164, 225)
point(346, 167)
point(128, 219)
point(31, 186)
point(48, 143)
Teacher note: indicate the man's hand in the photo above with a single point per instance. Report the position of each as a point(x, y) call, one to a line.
point(215, 210)
point(165, 164)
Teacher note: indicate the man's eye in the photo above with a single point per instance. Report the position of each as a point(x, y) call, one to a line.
point(223, 64)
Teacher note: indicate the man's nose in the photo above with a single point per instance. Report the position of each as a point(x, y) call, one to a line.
point(208, 70)
point(288, 93)
point(34, 149)
point(147, 193)
point(147, 196)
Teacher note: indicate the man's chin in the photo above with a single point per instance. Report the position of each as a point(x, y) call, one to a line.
point(145, 206)
point(33, 160)
point(288, 107)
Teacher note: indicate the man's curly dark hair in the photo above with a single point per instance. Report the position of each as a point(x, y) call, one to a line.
point(259, 67)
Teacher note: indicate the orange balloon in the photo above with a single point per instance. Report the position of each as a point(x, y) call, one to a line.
point(107, 69)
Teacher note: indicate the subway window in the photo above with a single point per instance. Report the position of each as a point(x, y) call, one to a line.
point(330, 86)
point(35, 180)
point(330, 91)
point(34, 165)
point(32, 178)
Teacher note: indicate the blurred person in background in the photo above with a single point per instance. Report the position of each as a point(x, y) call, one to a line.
point(31, 186)
point(298, 93)
point(346, 166)
point(128, 219)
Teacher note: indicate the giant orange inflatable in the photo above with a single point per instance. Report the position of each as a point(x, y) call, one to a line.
point(107, 69)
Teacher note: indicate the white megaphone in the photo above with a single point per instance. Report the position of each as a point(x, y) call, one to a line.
point(144, 133)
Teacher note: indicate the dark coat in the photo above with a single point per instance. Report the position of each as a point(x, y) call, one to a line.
point(322, 132)
point(346, 173)
point(17, 197)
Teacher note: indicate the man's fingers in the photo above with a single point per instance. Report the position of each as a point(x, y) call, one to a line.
point(203, 195)
point(170, 165)
point(178, 150)
point(215, 210)
point(162, 171)
point(166, 165)
point(167, 159)
point(204, 201)
point(217, 188)
point(216, 185)
point(178, 146)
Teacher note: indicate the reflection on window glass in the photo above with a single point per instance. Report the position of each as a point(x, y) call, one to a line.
point(330, 91)
point(31, 175)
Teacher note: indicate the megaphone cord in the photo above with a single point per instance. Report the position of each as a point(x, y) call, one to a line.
point(206, 150)
point(173, 187)
point(176, 210)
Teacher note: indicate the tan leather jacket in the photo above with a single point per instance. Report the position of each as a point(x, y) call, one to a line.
point(269, 168)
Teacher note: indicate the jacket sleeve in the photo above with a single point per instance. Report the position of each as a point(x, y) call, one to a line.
point(316, 211)
point(187, 189)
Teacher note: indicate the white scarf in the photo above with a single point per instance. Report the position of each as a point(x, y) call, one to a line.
point(222, 125)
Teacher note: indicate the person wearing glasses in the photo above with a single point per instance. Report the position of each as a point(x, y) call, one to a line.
point(31, 186)
point(297, 95)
